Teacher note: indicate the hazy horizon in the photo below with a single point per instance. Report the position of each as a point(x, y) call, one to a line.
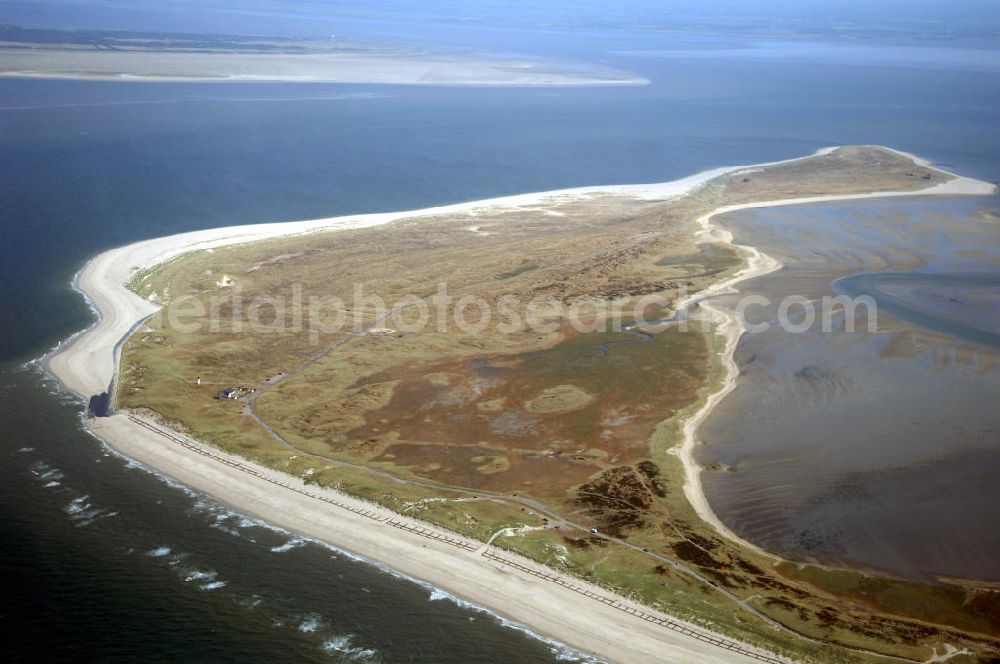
point(920, 20)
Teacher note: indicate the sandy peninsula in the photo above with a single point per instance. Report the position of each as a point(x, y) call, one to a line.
point(566, 609)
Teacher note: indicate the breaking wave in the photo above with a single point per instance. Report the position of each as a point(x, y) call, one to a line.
point(310, 623)
point(82, 513)
point(559, 650)
point(342, 646)
point(213, 585)
point(294, 543)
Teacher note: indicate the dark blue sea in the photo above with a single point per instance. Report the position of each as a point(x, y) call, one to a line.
point(100, 559)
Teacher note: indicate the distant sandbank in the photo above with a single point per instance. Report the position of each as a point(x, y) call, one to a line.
point(402, 68)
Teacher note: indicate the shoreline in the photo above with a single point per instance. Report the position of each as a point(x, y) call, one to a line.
point(731, 328)
point(551, 605)
point(540, 82)
point(317, 66)
point(86, 364)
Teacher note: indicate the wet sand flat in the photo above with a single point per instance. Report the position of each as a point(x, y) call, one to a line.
point(875, 449)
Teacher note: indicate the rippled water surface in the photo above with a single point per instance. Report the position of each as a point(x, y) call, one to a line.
point(879, 449)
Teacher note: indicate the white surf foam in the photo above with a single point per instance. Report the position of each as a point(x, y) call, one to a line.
point(294, 543)
point(201, 575)
point(96, 516)
point(341, 645)
point(77, 505)
point(214, 585)
point(310, 623)
point(82, 513)
point(43, 472)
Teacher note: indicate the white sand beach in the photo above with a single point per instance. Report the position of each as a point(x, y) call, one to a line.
point(572, 612)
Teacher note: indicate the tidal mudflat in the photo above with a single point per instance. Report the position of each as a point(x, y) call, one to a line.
point(876, 449)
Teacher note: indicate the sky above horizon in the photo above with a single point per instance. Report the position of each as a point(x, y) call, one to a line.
point(914, 18)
